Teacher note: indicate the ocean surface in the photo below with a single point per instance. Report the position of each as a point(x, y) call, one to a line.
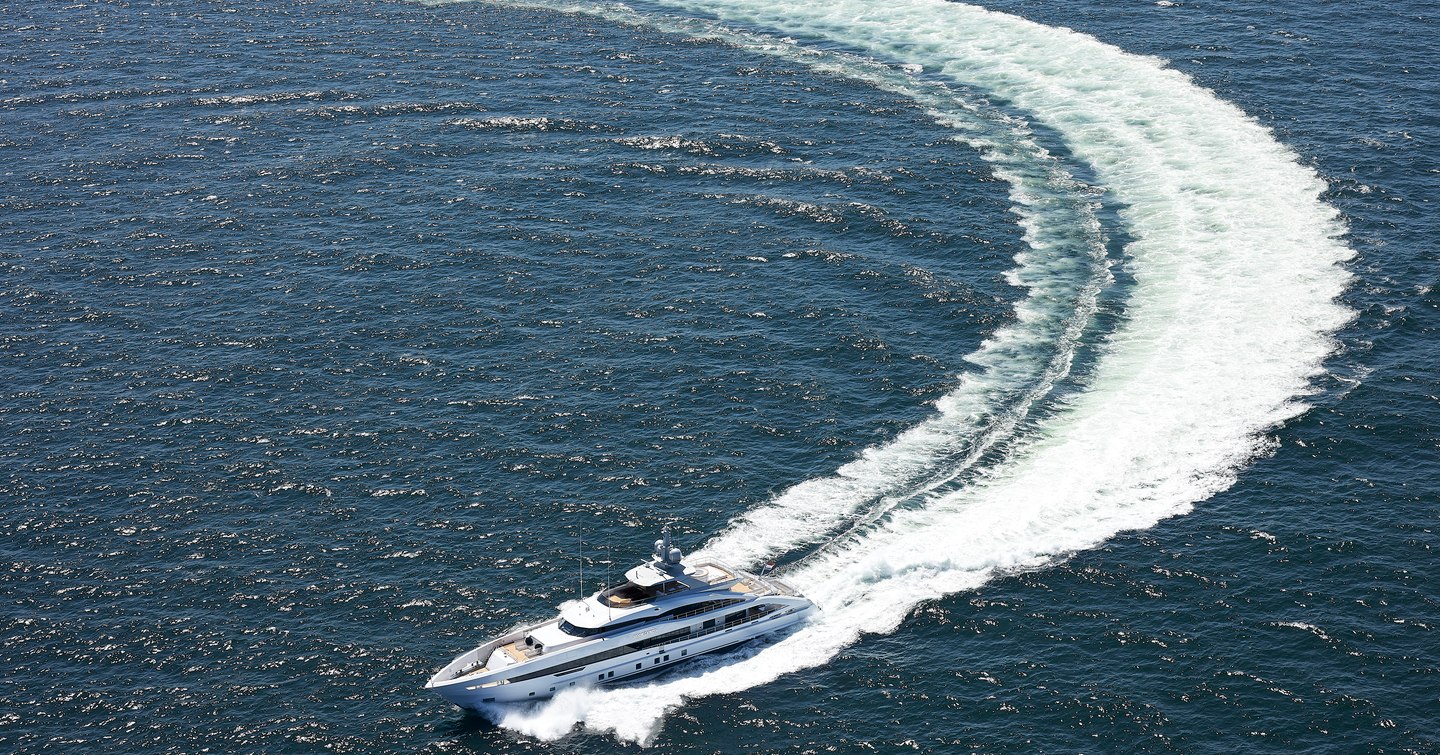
point(1081, 360)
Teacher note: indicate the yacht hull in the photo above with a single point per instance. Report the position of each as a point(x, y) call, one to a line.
point(476, 690)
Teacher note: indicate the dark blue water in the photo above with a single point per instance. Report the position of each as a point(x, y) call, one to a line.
point(336, 335)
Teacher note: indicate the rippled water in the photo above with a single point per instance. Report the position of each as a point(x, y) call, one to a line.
point(337, 335)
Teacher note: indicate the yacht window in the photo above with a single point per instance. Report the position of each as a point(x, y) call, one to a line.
point(578, 664)
point(695, 609)
point(575, 631)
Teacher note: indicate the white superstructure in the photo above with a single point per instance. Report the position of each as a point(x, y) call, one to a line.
point(666, 612)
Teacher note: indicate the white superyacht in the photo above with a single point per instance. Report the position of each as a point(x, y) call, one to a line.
point(666, 612)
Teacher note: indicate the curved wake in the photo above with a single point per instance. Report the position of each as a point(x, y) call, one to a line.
point(1236, 269)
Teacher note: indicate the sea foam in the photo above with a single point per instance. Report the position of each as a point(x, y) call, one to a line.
point(1236, 266)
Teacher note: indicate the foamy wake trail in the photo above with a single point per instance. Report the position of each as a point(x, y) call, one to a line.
point(1236, 275)
point(1063, 269)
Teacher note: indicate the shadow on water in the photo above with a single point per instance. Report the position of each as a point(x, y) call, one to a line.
point(464, 723)
point(476, 732)
point(467, 722)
